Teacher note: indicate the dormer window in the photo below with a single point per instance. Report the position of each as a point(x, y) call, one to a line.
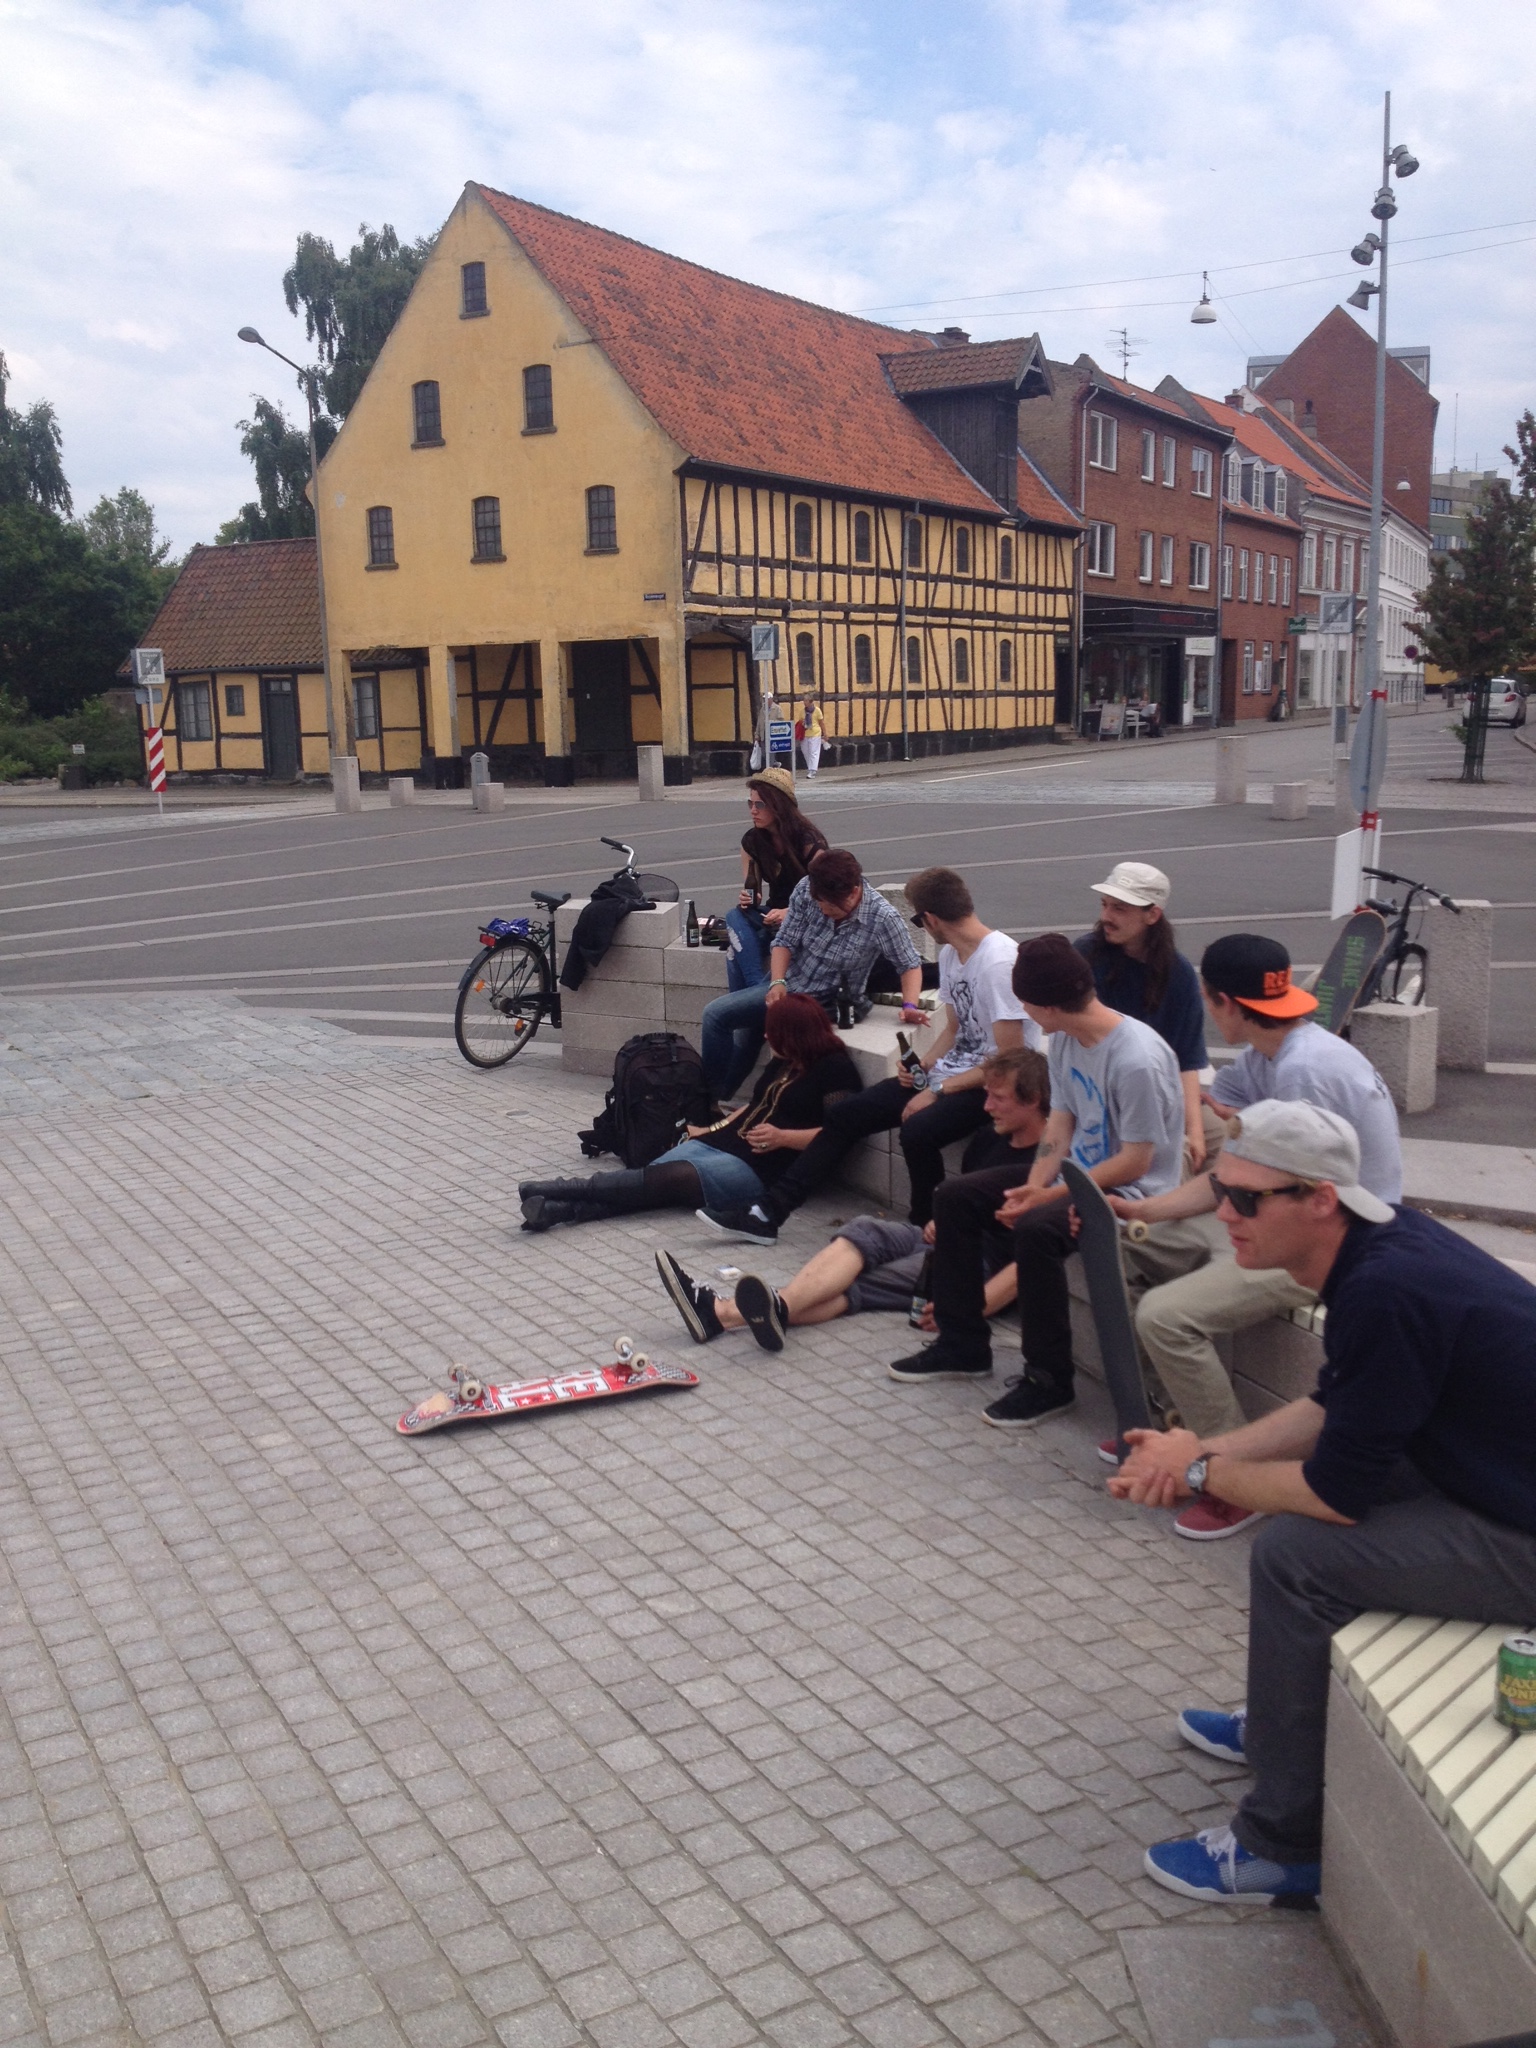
point(472, 301)
point(426, 416)
point(538, 399)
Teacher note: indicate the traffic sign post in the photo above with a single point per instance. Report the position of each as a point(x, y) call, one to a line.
point(1367, 768)
point(149, 685)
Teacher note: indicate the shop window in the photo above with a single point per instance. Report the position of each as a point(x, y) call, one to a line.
point(427, 415)
point(1304, 676)
point(863, 537)
point(194, 711)
point(805, 659)
point(805, 537)
point(962, 664)
point(863, 659)
point(1005, 559)
point(602, 520)
point(488, 530)
point(381, 537)
point(472, 301)
point(538, 399)
point(1005, 661)
point(962, 551)
point(234, 700)
point(365, 706)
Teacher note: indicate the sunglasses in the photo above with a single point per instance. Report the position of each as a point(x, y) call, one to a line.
point(1246, 1200)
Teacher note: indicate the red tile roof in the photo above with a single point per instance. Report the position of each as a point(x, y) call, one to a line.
point(967, 367)
point(248, 607)
point(1260, 433)
point(744, 378)
point(1152, 400)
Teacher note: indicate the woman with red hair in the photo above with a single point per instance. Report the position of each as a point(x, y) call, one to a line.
point(732, 1163)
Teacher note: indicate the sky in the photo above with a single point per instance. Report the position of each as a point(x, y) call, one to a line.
point(1008, 166)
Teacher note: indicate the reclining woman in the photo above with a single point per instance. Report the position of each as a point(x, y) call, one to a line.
point(776, 849)
point(731, 1163)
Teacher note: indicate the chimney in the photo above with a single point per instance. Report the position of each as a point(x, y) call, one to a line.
point(953, 337)
point(1286, 407)
point(1309, 421)
point(1234, 399)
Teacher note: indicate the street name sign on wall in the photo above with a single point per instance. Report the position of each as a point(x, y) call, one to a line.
point(1336, 613)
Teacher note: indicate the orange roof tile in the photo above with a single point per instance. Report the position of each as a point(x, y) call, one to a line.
point(247, 607)
point(970, 366)
point(744, 378)
point(1262, 436)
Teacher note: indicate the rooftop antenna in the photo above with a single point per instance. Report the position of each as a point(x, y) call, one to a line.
point(1126, 345)
point(1455, 427)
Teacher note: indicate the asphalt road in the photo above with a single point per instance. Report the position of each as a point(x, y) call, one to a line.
point(368, 920)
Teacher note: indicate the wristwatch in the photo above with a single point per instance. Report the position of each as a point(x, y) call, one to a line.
point(1194, 1476)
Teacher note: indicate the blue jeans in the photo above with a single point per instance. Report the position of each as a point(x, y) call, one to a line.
point(731, 1037)
point(747, 960)
point(728, 1182)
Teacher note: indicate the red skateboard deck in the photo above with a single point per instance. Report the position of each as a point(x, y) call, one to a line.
point(476, 1400)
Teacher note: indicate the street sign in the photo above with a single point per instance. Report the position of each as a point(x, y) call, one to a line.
point(781, 735)
point(1348, 853)
point(1368, 753)
point(765, 643)
point(149, 667)
point(1299, 625)
point(1336, 613)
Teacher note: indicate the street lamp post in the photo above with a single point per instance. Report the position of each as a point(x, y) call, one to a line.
point(307, 379)
point(1396, 161)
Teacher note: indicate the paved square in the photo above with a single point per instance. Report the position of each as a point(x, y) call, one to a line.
point(798, 1709)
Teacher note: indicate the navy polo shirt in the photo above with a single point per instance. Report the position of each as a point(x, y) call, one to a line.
point(1179, 1018)
point(1429, 1354)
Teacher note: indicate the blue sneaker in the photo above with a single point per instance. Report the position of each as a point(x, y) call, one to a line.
point(1217, 1734)
point(1215, 1865)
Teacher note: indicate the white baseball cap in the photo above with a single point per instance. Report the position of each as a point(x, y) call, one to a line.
point(1313, 1144)
point(1133, 881)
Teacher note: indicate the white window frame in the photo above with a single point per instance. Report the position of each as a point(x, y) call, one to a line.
point(1165, 560)
point(1285, 582)
point(1347, 566)
point(1170, 461)
point(1274, 579)
point(1200, 472)
point(1103, 441)
point(1309, 561)
point(1280, 491)
point(1100, 547)
point(1144, 542)
point(1330, 561)
point(1199, 565)
point(1266, 663)
point(1227, 558)
point(1247, 668)
point(1242, 575)
point(1232, 488)
point(1148, 456)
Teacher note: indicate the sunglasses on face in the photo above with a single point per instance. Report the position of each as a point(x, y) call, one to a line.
point(918, 920)
point(1246, 1200)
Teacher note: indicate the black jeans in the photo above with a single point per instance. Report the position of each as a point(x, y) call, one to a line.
point(923, 1138)
point(1425, 1555)
point(964, 1226)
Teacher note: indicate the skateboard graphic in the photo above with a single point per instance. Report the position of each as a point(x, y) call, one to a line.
point(1344, 972)
point(477, 1400)
point(1098, 1240)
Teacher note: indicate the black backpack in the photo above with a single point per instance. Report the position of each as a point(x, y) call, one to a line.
point(658, 1087)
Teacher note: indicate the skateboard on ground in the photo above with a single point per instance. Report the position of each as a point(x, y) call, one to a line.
point(1098, 1240)
point(477, 1400)
point(1344, 972)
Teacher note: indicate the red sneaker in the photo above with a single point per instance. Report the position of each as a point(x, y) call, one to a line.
point(1207, 1521)
point(1109, 1451)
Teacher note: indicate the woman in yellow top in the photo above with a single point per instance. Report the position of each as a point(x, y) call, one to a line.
point(810, 736)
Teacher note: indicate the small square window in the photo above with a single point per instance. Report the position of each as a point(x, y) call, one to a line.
point(488, 530)
point(234, 700)
point(472, 290)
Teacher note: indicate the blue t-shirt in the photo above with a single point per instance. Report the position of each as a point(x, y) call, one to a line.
point(1179, 1017)
point(1429, 1354)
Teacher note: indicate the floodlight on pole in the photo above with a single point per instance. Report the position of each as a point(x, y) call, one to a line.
point(1362, 295)
point(1365, 249)
point(1205, 313)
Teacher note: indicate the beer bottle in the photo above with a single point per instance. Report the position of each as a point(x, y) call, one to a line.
point(692, 928)
point(921, 1292)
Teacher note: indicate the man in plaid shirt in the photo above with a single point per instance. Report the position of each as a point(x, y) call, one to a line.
point(835, 929)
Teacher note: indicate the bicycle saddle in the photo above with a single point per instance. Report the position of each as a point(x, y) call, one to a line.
point(550, 902)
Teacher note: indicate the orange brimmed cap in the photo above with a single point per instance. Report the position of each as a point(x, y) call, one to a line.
point(1255, 972)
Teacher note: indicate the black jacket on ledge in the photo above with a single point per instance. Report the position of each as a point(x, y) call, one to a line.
point(610, 904)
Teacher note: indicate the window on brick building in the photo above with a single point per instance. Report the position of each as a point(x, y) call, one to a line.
point(863, 659)
point(1170, 461)
point(538, 399)
point(1242, 574)
point(1330, 561)
point(1165, 559)
point(1309, 561)
point(1285, 581)
point(1148, 456)
point(1199, 565)
point(1247, 668)
point(1200, 472)
point(1226, 572)
point(1103, 441)
point(1100, 548)
point(1265, 660)
point(804, 524)
point(1144, 557)
point(962, 551)
point(962, 664)
point(863, 537)
point(1274, 579)
point(1232, 477)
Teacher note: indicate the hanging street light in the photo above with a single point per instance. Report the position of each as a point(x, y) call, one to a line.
point(1205, 313)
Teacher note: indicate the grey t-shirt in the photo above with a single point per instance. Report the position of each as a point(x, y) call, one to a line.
point(1314, 1066)
point(1123, 1091)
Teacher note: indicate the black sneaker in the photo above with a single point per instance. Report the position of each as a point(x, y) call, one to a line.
point(933, 1362)
point(748, 1226)
point(763, 1311)
point(1029, 1400)
point(694, 1302)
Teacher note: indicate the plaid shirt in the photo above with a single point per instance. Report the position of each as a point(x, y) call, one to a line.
point(823, 954)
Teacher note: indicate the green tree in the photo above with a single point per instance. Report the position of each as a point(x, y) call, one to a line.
point(350, 305)
point(122, 529)
point(31, 454)
point(280, 452)
point(68, 612)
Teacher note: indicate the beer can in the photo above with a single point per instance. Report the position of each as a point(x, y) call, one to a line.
point(1515, 1704)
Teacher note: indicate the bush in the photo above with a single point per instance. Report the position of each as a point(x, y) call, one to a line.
point(35, 746)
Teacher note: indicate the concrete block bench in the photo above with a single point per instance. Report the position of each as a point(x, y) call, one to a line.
point(1429, 1840)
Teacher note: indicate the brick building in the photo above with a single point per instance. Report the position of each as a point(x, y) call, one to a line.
point(1143, 472)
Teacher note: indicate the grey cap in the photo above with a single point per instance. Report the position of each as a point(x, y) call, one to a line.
point(1312, 1144)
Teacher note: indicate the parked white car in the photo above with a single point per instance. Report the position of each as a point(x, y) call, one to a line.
point(1506, 702)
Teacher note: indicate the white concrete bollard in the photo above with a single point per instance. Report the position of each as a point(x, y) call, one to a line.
point(1288, 801)
point(653, 780)
point(479, 769)
point(1399, 1040)
point(345, 784)
point(402, 792)
point(1231, 769)
point(489, 796)
point(1460, 956)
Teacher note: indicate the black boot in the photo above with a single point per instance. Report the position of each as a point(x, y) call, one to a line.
point(625, 1190)
point(543, 1212)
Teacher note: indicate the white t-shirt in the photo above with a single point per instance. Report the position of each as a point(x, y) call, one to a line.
point(978, 992)
point(1123, 1091)
point(1314, 1066)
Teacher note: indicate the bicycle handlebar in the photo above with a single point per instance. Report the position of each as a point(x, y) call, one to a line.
point(1420, 888)
point(619, 847)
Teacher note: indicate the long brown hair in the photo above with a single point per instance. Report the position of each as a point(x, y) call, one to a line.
point(799, 1030)
point(1161, 951)
point(789, 829)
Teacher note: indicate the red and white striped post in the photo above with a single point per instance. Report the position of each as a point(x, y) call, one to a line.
point(154, 757)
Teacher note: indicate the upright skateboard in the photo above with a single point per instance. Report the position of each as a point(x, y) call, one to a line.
point(1098, 1240)
point(1345, 970)
point(476, 1400)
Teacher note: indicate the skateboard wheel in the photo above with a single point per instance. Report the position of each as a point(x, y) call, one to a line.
point(1136, 1231)
point(625, 1347)
point(470, 1389)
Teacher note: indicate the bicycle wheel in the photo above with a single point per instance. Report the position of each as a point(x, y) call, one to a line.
point(1407, 980)
point(502, 1000)
point(660, 888)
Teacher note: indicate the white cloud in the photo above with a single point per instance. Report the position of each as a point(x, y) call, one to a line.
point(158, 162)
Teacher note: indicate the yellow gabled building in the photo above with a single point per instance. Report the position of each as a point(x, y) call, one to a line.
point(580, 470)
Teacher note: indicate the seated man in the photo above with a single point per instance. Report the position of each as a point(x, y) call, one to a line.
point(1286, 1057)
point(1117, 1109)
point(1406, 1480)
point(833, 932)
point(874, 1262)
point(981, 1014)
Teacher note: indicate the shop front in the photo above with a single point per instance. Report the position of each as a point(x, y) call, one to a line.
point(1145, 669)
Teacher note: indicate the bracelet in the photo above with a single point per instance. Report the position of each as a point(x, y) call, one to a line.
point(778, 981)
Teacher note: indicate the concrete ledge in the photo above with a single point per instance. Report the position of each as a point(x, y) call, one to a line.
point(1494, 1183)
point(1401, 1041)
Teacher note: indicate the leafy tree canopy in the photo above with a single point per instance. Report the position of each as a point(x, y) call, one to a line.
point(1480, 603)
point(350, 305)
point(68, 611)
point(280, 453)
point(124, 527)
point(31, 454)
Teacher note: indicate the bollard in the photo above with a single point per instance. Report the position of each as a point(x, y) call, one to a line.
point(1460, 956)
point(1231, 769)
point(1288, 801)
point(479, 769)
point(653, 787)
point(402, 791)
point(489, 796)
point(1400, 1041)
point(344, 782)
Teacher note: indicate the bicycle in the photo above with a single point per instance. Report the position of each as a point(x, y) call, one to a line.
point(510, 986)
point(1400, 973)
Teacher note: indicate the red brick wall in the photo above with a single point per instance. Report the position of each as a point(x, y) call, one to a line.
point(1131, 506)
point(1258, 621)
point(1335, 367)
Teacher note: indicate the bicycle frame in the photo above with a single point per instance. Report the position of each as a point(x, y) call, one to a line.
point(541, 935)
point(1399, 945)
